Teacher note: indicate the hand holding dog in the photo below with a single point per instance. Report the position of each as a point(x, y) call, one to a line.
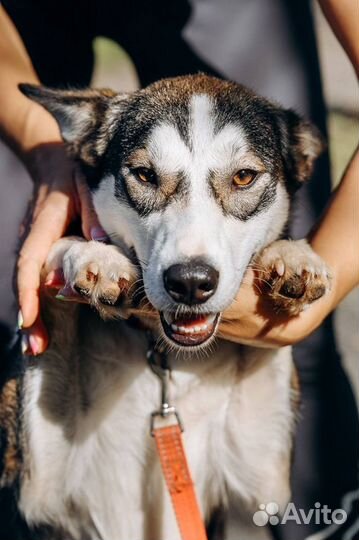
point(60, 196)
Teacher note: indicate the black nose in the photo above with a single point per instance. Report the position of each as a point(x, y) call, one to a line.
point(191, 283)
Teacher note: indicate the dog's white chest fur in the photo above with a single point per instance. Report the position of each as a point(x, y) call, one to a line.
point(93, 469)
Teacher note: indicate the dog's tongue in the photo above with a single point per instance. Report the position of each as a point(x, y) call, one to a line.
point(188, 322)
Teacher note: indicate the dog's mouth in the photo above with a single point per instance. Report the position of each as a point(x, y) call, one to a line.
point(189, 330)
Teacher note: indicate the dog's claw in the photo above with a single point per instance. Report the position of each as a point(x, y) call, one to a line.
point(294, 275)
point(279, 267)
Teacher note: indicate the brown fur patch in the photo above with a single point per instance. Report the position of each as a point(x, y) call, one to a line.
point(307, 145)
point(179, 89)
point(9, 414)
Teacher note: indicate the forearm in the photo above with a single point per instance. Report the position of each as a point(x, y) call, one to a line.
point(343, 16)
point(23, 124)
point(336, 238)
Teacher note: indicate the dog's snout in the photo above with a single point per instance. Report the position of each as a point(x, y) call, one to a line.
point(191, 283)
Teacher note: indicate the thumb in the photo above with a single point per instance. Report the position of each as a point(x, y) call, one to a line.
point(91, 227)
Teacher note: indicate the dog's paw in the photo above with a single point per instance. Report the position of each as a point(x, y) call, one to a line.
point(100, 274)
point(292, 275)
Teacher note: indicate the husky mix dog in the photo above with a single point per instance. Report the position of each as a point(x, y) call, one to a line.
point(192, 179)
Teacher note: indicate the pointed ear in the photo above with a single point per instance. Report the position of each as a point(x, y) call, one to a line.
point(82, 115)
point(302, 144)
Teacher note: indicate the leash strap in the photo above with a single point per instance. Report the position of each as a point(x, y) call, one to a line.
point(173, 457)
point(179, 482)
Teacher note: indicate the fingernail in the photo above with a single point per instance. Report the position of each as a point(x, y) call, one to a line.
point(20, 320)
point(25, 344)
point(64, 298)
point(34, 346)
point(98, 234)
point(74, 298)
point(67, 293)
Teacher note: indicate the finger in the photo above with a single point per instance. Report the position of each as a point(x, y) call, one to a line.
point(47, 228)
point(35, 339)
point(246, 298)
point(68, 294)
point(55, 279)
point(91, 227)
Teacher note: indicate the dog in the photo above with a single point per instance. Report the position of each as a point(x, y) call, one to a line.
point(192, 179)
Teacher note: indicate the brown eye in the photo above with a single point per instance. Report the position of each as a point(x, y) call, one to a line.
point(145, 175)
point(244, 177)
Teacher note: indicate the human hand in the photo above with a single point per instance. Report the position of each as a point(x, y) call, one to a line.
point(253, 320)
point(60, 196)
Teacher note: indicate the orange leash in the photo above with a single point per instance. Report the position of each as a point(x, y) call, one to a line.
point(179, 482)
point(173, 457)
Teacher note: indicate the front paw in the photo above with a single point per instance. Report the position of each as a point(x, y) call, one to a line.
point(101, 275)
point(292, 275)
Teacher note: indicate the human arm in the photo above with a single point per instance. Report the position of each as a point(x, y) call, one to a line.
point(34, 135)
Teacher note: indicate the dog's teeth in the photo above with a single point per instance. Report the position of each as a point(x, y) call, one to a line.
point(195, 329)
point(201, 328)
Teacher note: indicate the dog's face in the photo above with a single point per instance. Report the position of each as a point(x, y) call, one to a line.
point(195, 174)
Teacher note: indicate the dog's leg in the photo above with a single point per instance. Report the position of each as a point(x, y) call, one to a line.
point(98, 273)
point(67, 389)
point(292, 274)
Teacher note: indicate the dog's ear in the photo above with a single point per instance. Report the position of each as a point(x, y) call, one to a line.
point(82, 115)
point(301, 144)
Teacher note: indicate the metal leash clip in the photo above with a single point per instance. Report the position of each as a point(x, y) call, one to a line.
point(158, 363)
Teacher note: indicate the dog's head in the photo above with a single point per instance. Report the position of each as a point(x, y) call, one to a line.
point(196, 175)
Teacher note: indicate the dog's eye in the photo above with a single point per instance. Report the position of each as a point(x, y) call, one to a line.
point(145, 175)
point(244, 177)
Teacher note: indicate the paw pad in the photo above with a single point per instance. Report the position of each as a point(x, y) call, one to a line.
point(292, 275)
point(294, 287)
